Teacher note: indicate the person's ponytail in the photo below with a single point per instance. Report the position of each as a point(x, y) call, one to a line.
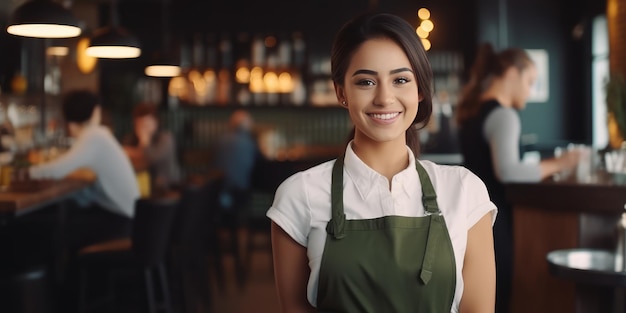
point(484, 66)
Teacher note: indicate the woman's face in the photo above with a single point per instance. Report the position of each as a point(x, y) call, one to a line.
point(527, 78)
point(381, 91)
point(145, 125)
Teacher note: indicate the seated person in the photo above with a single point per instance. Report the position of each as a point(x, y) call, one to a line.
point(106, 208)
point(153, 149)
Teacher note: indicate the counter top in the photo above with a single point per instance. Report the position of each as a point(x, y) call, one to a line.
point(18, 201)
point(601, 193)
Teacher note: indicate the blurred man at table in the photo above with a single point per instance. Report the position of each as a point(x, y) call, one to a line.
point(153, 149)
point(106, 208)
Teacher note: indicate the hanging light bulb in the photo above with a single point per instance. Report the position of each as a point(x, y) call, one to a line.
point(43, 19)
point(162, 70)
point(163, 64)
point(113, 42)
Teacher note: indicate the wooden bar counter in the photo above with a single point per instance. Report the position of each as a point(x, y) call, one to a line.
point(560, 214)
point(23, 198)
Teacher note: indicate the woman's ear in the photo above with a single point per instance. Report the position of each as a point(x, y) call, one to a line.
point(340, 92)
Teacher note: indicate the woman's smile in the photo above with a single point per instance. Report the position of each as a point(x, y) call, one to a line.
point(384, 118)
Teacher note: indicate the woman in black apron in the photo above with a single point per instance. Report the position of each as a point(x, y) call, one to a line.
point(489, 130)
point(378, 230)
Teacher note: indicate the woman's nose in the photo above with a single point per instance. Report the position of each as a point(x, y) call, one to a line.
point(384, 95)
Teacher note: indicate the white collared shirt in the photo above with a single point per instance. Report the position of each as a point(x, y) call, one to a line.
point(96, 149)
point(302, 205)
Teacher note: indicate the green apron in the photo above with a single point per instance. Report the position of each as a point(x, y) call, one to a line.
point(391, 264)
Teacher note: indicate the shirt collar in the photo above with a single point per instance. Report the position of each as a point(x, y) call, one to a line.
point(365, 178)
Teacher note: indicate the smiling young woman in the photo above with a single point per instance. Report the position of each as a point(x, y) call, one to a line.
point(377, 229)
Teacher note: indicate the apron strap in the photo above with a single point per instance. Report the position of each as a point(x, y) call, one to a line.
point(429, 197)
point(431, 248)
point(335, 226)
point(429, 200)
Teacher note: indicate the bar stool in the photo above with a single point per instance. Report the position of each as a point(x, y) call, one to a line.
point(193, 238)
point(145, 250)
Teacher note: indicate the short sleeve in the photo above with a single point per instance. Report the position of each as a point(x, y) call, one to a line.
point(477, 199)
point(290, 209)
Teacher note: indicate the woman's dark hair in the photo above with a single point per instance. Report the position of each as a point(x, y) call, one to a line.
point(78, 106)
point(487, 65)
point(381, 25)
point(144, 109)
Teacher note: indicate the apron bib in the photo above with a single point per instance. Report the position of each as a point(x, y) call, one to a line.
point(392, 264)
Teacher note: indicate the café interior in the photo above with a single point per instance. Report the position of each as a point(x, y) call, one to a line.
point(271, 59)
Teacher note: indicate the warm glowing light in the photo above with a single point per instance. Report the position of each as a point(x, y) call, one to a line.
point(85, 63)
point(113, 52)
point(242, 75)
point(177, 86)
point(162, 70)
point(285, 83)
point(256, 80)
point(421, 32)
point(198, 82)
point(423, 13)
point(209, 76)
point(270, 81)
point(427, 25)
point(256, 85)
point(194, 75)
point(44, 30)
point(612, 8)
point(426, 44)
point(57, 51)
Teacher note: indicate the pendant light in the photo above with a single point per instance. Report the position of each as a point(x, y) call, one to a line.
point(164, 64)
point(113, 42)
point(43, 19)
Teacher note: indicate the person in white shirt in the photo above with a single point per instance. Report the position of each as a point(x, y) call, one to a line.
point(377, 229)
point(106, 208)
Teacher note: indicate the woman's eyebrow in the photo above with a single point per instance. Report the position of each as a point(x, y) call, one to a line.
point(399, 70)
point(370, 72)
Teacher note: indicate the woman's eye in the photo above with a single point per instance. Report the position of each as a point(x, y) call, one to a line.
point(402, 80)
point(365, 82)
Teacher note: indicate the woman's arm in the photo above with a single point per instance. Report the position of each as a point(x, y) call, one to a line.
point(291, 272)
point(479, 269)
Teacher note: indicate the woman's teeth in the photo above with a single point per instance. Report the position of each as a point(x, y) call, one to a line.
point(386, 116)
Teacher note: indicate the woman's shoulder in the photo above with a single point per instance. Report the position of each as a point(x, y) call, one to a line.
point(450, 174)
point(309, 178)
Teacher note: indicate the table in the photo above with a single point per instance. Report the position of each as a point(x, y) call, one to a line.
point(559, 214)
point(593, 270)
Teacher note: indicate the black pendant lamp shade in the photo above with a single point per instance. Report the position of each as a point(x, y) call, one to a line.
point(43, 19)
point(113, 42)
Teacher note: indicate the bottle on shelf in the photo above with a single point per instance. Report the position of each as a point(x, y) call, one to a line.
point(224, 75)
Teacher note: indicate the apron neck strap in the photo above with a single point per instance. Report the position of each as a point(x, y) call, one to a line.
point(429, 196)
point(335, 226)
